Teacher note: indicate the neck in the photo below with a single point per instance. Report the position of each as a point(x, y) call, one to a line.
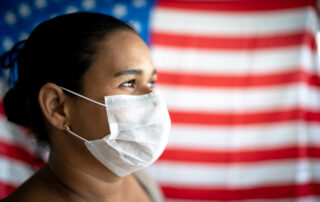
point(82, 182)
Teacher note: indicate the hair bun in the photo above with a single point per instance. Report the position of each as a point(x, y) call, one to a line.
point(15, 106)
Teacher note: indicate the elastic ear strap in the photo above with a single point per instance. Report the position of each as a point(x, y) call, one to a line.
point(84, 97)
point(72, 133)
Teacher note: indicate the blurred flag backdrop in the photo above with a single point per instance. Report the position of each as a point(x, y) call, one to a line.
point(241, 81)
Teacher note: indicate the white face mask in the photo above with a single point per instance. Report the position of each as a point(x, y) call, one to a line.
point(139, 126)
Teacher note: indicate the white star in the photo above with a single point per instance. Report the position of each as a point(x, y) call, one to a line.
point(71, 9)
point(23, 35)
point(139, 3)
point(88, 4)
point(10, 18)
point(24, 10)
point(136, 25)
point(119, 10)
point(40, 4)
point(7, 43)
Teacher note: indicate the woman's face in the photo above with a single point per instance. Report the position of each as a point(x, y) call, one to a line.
point(122, 65)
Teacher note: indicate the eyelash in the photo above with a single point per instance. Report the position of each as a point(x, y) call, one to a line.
point(129, 82)
point(132, 83)
point(151, 83)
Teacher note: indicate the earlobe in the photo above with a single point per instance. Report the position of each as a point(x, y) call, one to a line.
point(52, 102)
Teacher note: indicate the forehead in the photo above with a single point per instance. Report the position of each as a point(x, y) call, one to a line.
point(122, 50)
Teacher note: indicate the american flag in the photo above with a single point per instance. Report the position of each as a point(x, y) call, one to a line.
point(241, 81)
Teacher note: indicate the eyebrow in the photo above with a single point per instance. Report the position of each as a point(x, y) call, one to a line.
point(132, 72)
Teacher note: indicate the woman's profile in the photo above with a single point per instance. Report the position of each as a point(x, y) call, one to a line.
point(85, 87)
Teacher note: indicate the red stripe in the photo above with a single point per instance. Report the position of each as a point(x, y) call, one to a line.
point(231, 81)
point(6, 189)
point(1, 108)
point(18, 153)
point(227, 194)
point(234, 43)
point(238, 156)
point(229, 119)
point(235, 6)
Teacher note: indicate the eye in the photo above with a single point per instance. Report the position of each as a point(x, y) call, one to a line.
point(130, 84)
point(150, 84)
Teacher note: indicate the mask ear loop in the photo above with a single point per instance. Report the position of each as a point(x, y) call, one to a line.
point(67, 128)
point(84, 97)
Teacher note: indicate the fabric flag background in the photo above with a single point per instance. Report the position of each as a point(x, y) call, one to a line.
point(241, 81)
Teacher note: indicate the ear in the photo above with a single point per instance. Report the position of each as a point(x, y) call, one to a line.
point(52, 102)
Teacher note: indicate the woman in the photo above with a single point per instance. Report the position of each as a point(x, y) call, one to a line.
point(85, 86)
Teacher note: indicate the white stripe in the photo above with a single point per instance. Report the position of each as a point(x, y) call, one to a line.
point(4, 87)
point(17, 136)
point(244, 137)
point(240, 100)
point(233, 62)
point(235, 176)
point(14, 172)
point(226, 23)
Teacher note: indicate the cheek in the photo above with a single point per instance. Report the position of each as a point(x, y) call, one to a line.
point(89, 121)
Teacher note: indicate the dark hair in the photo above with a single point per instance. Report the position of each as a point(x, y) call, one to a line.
point(60, 51)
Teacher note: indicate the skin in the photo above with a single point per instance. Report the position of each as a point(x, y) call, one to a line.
point(122, 65)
